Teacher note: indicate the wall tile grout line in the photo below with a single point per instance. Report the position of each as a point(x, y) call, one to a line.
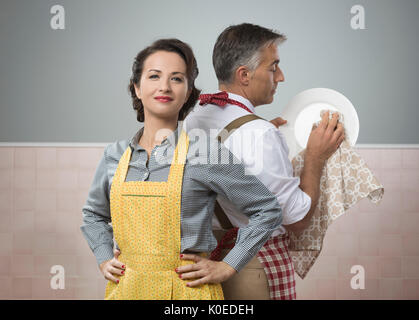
point(104, 144)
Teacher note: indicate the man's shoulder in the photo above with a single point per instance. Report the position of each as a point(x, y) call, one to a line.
point(259, 123)
point(258, 137)
point(200, 111)
point(257, 127)
point(202, 116)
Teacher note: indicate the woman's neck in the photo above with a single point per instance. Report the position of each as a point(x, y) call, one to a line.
point(155, 131)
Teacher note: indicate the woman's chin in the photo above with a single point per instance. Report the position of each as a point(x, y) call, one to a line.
point(165, 113)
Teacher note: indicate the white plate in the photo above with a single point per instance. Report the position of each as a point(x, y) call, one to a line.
point(304, 109)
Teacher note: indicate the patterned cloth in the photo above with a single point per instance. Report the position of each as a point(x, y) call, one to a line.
point(278, 267)
point(345, 180)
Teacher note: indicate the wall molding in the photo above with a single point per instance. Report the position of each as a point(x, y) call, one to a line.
point(104, 144)
point(53, 144)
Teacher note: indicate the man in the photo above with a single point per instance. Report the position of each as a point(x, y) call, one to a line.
point(245, 60)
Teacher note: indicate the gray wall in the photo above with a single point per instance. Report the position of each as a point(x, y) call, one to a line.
point(70, 85)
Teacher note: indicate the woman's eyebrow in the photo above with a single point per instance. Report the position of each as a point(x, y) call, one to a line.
point(275, 62)
point(156, 70)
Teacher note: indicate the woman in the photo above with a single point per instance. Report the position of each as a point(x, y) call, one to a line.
point(159, 193)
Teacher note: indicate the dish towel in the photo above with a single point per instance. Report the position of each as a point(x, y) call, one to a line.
point(345, 180)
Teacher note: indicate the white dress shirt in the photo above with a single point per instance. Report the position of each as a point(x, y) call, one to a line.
point(264, 152)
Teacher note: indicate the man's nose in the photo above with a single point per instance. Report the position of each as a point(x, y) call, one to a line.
point(279, 76)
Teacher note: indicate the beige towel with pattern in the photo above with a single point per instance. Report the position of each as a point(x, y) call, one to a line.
point(345, 180)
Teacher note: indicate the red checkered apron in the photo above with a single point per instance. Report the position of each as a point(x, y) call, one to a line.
point(278, 266)
point(277, 263)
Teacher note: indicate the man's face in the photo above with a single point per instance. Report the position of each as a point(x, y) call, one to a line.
point(264, 79)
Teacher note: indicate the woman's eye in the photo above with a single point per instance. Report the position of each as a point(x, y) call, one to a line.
point(153, 76)
point(177, 79)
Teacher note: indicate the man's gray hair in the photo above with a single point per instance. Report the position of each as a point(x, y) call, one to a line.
point(241, 45)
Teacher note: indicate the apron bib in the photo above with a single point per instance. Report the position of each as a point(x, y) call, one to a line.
point(146, 225)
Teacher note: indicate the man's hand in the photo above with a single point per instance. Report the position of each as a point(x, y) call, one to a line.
point(325, 139)
point(278, 122)
point(112, 267)
point(204, 270)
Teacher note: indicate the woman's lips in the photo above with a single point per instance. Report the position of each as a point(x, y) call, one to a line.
point(163, 99)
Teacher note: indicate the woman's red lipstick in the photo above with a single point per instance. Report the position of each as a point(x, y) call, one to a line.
point(163, 98)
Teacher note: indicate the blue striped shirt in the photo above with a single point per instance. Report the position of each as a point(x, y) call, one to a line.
point(204, 179)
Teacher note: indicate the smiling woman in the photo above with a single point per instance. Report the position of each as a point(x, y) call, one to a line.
point(184, 60)
point(160, 200)
point(163, 91)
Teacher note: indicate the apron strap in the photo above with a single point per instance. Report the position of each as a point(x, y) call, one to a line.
point(174, 185)
point(222, 136)
point(179, 159)
point(233, 125)
point(123, 166)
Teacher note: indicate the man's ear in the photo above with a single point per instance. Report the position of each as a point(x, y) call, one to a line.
point(243, 75)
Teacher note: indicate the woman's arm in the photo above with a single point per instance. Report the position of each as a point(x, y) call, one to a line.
point(96, 215)
point(96, 219)
point(250, 197)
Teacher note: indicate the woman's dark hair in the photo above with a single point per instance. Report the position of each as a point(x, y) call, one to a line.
point(170, 45)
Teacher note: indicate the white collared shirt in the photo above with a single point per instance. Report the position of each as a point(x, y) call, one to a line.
point(264, 152)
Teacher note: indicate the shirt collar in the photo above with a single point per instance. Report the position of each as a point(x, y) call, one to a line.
point(241, 99)
point(170, 140)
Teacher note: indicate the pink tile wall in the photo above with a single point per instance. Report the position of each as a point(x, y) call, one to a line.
point(382, 238)
point(42, 191)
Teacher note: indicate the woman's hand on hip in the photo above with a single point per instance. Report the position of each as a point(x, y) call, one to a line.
point(112, 267)
point(204, 270)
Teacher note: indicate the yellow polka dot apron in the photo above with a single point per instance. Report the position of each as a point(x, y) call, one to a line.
point(146, 225)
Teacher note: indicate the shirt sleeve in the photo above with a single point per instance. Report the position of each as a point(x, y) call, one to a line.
point(96, 215)
point(277, 174)
point(252, 198)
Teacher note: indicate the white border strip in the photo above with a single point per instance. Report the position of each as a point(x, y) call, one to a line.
point(104, 144)
point(53, 144)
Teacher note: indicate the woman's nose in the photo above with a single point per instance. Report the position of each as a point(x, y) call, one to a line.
point(165, 85)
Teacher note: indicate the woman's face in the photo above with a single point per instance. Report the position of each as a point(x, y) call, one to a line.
point(163, 87)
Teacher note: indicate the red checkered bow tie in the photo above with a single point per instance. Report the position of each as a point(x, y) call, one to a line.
point(220, 99)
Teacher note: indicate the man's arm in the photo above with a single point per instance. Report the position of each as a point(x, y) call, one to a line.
point(324, 140)
point(310, 184)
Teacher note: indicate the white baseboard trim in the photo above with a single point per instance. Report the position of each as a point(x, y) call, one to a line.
point(54, 144)
point(104, 144)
